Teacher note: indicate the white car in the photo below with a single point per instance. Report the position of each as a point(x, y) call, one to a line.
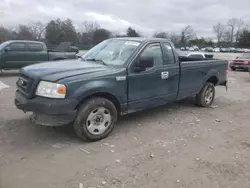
point(216, 50)
point(191, 49)
point(199, 55)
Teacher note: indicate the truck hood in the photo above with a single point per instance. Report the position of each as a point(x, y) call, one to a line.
point(241, 60)
point(56, 70)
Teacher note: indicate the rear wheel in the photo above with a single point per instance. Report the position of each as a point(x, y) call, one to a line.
point(233, 68)
point(95, 119)
point(206, 96)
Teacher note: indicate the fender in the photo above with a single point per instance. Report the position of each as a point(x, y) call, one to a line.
point(110, 86)
point(211, 73)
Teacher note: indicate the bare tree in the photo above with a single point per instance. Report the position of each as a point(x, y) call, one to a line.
point(89, 27)
point(232, 24)
point(174, 38)
point(240, 26)
point(37, 29)
point(187, 33)
point(219, 30)
point(161, 35)
point(227, 36)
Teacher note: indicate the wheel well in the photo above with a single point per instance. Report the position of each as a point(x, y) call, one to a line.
point(107, 96)
point(57, 59)
point(213, 80)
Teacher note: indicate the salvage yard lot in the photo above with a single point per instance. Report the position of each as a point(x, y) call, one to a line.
point(179, 145)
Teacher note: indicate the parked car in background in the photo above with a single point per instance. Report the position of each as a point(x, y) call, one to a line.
point(239, 50)
point(183, 49)
point(199, 55)
point(203, 49)
point(209, 49)
point(245, 50)
point(232, 49)
point(16, 54)
point(216, 50)
point(242, 62)
point(223, 50)
point(191, 49)
point(118, 76)
point(196, 48)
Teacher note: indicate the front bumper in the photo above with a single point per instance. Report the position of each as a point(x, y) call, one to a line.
point(48, 112)
point(239, 66)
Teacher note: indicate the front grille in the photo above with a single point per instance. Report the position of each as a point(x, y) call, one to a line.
point(237, 63)
point(24, 84)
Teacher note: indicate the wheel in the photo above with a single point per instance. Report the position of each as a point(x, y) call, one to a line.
point(206, 96)
point(96, 118)
point(233, 68)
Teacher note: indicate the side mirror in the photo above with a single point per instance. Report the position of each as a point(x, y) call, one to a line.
point(7, 49)
point(144, 62)
point(237, 57)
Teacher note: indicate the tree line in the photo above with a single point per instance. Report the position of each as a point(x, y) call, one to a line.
point(234, 32)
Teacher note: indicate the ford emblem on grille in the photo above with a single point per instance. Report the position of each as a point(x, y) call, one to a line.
point(20, 82)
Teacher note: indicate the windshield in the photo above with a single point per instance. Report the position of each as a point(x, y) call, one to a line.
point(4, 44)
point(245, 56)
point(112, 51)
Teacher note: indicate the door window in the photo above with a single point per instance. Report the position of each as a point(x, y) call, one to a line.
point(17, 47)
point(169, 53)
point(35, 47)
point(155, 52)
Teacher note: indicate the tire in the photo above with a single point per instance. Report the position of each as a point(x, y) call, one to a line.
point(203, 96)
point(233, 68)
point(86, 125)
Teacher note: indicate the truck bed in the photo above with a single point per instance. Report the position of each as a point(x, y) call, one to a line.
point(193, 75)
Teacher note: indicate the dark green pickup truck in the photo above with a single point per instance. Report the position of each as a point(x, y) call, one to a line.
point(118, 76)
point(19, 53)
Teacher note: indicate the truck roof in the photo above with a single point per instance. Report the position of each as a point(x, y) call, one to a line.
point(10, 41)
point(143, 39)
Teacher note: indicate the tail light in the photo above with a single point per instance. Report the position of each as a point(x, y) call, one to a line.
point(248, 62)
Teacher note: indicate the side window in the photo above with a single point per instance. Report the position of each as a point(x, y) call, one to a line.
point(169, 53)
point(34, 47)
point(17, 47)
point(155, 52)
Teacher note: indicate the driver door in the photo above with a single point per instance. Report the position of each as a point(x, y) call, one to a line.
point(147, 89)
point(16, 56)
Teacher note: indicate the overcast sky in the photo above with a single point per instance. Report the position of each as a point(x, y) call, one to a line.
point(145, 15)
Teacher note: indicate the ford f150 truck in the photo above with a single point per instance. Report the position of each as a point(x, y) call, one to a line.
point(118, 76)
point(19, 53)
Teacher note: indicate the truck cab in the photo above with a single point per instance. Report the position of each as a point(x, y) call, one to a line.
point(17, 54)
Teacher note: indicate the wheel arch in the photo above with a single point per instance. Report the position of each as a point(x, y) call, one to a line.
point(213, 79)
point(105, 95)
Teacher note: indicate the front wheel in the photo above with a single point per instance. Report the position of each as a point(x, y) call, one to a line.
point(96, 118)
point(206, 96)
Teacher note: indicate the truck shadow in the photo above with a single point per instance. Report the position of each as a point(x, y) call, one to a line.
point(9, 74)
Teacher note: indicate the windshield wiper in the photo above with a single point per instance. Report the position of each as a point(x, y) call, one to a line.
point(96, 60)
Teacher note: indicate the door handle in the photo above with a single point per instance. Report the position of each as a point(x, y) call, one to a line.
point(164, 75)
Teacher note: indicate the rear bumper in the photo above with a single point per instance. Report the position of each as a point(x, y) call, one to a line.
point(49, 112)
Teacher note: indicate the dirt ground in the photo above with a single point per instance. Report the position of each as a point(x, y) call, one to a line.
point(175, 146)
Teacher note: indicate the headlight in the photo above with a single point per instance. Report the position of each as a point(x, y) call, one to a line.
point(51, 90)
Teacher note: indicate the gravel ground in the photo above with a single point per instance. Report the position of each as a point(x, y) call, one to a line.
point(176, 146)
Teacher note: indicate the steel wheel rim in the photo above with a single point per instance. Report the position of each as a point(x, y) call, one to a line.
point(98, 121)
point(209, 95)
